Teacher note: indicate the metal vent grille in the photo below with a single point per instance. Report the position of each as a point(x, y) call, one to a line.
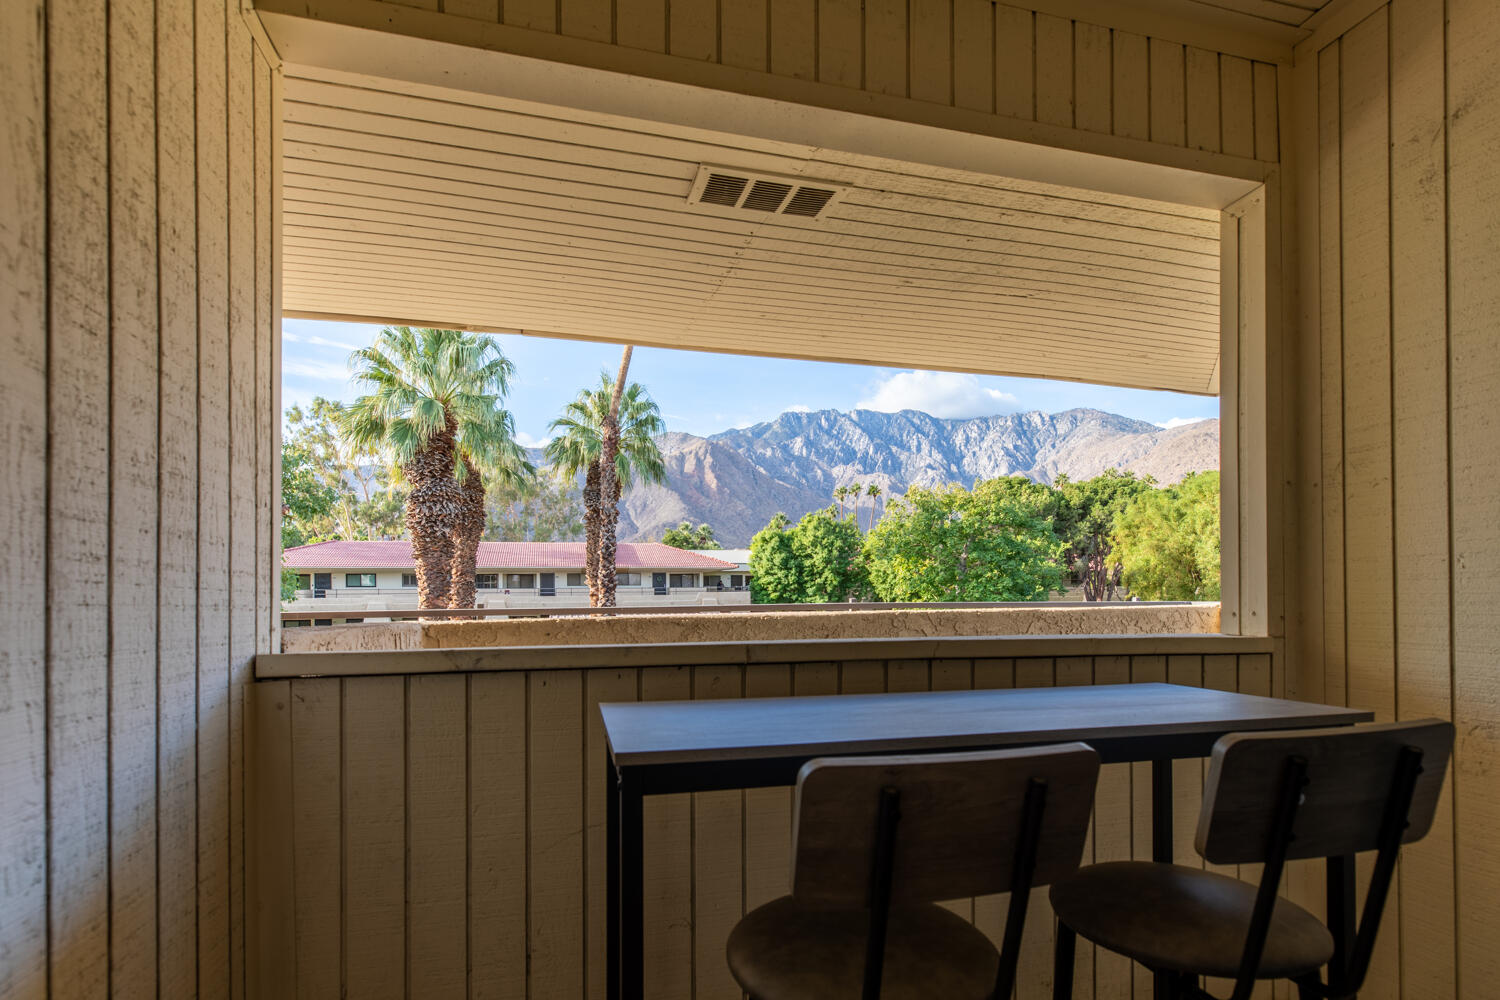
point(726, 191)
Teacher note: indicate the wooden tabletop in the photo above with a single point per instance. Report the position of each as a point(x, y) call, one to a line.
point(676, 732)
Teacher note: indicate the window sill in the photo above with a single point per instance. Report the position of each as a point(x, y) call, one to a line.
point(360, 663)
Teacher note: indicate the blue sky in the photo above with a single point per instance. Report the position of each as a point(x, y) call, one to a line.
point(705, 393)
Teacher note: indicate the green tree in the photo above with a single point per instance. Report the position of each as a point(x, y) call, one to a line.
point(356, 476)
point(818, 560)
point(546, 508)
point(1086, 522)
point(776, 576)
point(304, 498)
point(1166, 541)
point(434, 412)
point(992, 543)
point(580, 448)
point(685, 536)
point(830, 557)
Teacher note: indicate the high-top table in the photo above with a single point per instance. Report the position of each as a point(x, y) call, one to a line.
point(658, 748)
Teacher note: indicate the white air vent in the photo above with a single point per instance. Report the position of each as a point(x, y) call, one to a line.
point(744, 194)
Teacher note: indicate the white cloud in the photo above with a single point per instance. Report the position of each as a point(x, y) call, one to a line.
point(942, 394)
point(297, 338)
point(1181, 422)
point(527, 441)
point(799, 408)
point(325, 371)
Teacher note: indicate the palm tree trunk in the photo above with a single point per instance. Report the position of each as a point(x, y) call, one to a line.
point(591, 509)
point(609, 487)
point(466, 535)
point(432, 512)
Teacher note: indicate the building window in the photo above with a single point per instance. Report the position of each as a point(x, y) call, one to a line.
point(359, 579)
point(520, 581)
point(713, 581)
point(627, 579)
point(304, 581)
point(575, 580)
point(486, 581)
point(737, 581)
point(408, 579)
point(683, 580)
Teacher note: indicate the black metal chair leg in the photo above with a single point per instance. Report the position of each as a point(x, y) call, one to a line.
point(1062, 963)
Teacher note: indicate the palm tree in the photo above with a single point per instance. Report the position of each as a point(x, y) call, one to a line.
point(839, 493)
point(854, 493)
point(434, 413)
point(874, 493)
point(579, 448)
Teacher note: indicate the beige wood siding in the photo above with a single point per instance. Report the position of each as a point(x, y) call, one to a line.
point(995, 58)
point(478, 800)
point(136, 324)
point(1397, 505)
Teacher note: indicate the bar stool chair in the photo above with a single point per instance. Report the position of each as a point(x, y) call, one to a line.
point(878, 839)
point(1269, 798)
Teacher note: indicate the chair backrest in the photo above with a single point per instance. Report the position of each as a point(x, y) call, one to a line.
point(1350, 771)
point(960, 821)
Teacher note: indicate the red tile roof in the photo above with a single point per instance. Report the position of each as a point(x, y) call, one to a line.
point(497, 555)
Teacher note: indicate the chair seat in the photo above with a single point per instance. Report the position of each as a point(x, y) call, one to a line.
point(1180, 919)
point(791, 950)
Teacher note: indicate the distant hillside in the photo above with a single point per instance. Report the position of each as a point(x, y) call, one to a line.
point(738, 479)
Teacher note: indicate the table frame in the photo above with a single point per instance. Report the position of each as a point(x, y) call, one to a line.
point(624, 833)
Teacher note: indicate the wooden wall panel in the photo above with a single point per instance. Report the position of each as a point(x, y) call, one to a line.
point(1400, 230)
point(531, 905)
point(127, 177)
point(23, 502)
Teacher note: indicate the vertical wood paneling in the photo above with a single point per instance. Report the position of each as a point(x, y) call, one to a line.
point(374, 851)
point(794, 38)
point(1331, 398)
point(437, 837)
point(78, 625)
point(591, 19)
point(989, 911)
point(718, 859)
point(1473, 139)
point(23, 499)
point(132, 404)
point(693, 29)
point(1093, 77)
point(600, 686)
point(768, 811)
point(1202, 83)
point(932, 52)
point(974, 54)
point(129, 199)
point(213, 500)
point(668, 837)
point(554, 759)
point(1034, 969)
point(1112, 803)
point(1078, 671)
point(273, 847)
point(245, 562)
point(1237, 92)
point(316, 730)
point(742, 34)
point(497, 836)
point(1419, 353)
point(1131, 75)
point(1015, 62)
point(1143, 670)
point(1168, 98)
point(641, 24)
point(841, 57)
point(1267, 125)
point(1054, 70)
point(177, 484)
point(885, 47)
point(539, 15)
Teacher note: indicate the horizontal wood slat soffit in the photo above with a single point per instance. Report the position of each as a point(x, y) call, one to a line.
point(409, 202)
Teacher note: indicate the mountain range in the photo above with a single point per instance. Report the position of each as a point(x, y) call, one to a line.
point(738, 479)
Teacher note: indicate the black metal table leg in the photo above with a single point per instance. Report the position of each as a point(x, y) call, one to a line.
point(611, 878)
point(632, 888)
point(1340, 916)
point(1161, 845)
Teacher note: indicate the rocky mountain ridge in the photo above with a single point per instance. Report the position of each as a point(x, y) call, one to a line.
point(737, 479)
